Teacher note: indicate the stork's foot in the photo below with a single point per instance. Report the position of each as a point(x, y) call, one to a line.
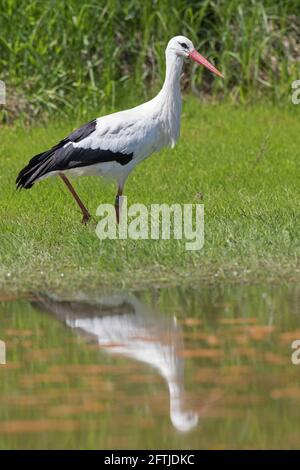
point(84, 211)
point(86, 218)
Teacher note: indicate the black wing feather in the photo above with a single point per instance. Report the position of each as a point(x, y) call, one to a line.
point(65, 157)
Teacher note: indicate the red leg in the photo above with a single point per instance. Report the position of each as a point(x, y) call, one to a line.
point(85, 212)
point(117, 204)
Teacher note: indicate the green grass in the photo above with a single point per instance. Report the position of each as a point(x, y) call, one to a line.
point(243, 160)
point(63, 56)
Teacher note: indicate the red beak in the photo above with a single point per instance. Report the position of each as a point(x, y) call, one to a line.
point(194, 55)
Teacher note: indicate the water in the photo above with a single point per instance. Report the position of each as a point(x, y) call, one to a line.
point(161, 369)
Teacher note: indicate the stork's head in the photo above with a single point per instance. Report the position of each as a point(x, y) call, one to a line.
point(183, 47)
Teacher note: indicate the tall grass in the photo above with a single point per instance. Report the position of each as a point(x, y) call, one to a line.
point(74, 55)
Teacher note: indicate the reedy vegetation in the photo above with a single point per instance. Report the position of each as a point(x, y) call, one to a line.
point(71, 56)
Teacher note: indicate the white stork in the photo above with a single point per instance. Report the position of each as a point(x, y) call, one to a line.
point(111, 146)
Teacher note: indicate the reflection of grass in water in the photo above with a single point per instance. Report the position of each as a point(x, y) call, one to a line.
point(63, 393)
point(244, 162)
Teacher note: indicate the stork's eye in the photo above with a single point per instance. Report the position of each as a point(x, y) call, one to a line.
point(184, 45)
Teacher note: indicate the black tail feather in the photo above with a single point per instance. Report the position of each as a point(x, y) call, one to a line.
point(37, 167)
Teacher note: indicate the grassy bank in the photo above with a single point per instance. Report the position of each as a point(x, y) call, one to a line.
point(241, 162)
point(63, 56)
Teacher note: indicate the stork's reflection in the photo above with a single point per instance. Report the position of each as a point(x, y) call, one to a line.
point(122, 324)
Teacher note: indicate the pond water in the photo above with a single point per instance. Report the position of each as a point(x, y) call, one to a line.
point(175, 368)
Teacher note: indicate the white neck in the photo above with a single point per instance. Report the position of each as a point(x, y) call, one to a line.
point(174, 65)
point(169, 98)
